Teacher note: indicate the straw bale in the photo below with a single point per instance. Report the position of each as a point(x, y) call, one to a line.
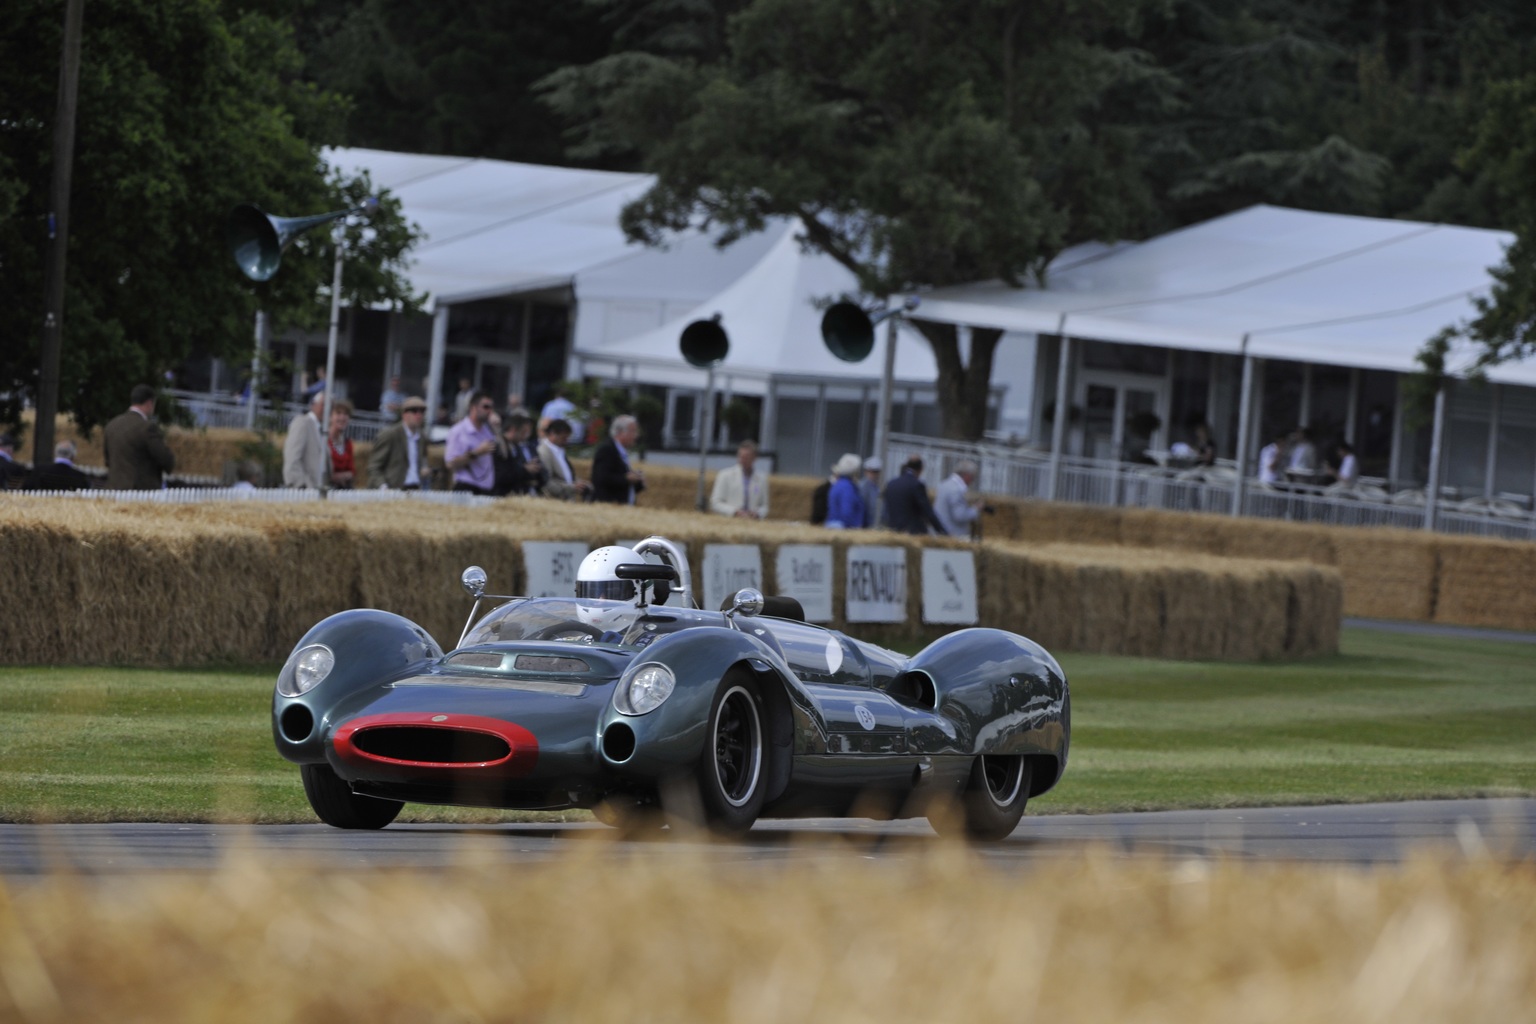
point(1487, 583)
point(1388, 574)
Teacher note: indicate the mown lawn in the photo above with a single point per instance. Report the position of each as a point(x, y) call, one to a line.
point(1391, 718)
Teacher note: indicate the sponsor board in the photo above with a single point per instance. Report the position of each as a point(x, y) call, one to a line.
point(551, 566)
point(727, 569)
point(949, 586)
point(804, 572)
point(876, 584)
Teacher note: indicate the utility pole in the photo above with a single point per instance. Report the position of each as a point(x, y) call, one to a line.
point(58, 237)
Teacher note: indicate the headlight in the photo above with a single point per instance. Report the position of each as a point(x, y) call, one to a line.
point(645, 690)
point(310, 667)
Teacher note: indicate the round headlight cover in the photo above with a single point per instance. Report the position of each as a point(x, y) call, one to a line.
point(645, 690)
point(310, 667)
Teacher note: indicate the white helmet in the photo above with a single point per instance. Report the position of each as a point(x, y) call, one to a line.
point(596, 578)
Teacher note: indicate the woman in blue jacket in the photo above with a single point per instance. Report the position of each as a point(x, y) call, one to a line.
point(844, 506)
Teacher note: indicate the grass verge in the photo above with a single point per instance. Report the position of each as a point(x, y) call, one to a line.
point(1392, 717)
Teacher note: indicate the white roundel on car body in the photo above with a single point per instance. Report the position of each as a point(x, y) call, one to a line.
point(834, 654)
point(865, 716)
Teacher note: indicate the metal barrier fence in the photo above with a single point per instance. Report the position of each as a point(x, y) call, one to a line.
point(1027, 474)
point(268, 495)
point(212, 410)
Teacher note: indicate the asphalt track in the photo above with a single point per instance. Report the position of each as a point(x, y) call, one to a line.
point(1352, 833)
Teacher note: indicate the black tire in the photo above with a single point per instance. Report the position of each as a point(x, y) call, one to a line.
point(336, 804)
point(993, 800)
point(732, 774)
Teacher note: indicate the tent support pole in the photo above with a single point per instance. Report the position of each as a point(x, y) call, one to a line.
point(1244, 416)
point(1432, 489)
point(1059, 420)
point(435, 364)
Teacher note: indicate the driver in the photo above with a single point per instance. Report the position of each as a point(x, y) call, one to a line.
point(595, 577)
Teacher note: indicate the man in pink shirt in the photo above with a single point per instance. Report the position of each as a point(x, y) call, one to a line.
point(470, 444)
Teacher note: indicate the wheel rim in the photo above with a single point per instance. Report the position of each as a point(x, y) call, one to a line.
point(1004, 777)
point(738, 746)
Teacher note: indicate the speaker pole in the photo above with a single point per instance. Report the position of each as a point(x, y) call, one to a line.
point(339, 236)
point(883, 415)
point(706, 427)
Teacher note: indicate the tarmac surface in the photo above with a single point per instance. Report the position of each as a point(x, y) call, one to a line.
point(1350, 833)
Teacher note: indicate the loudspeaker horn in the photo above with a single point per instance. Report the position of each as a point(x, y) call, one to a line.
point(257, 239)
point(848, 331)
point(704, 343)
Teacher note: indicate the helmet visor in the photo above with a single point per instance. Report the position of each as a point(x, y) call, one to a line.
point(606, 590)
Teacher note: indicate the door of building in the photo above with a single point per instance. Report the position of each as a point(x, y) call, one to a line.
point(1124, 416)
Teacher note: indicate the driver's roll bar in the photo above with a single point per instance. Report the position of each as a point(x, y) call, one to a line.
point(674, 556)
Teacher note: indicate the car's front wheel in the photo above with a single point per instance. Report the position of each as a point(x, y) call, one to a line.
point(732, 771)
point(336, 804)
point(992, 802)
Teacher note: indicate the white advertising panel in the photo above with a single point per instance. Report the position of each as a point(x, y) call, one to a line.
point(552, 565)
point(728, 568)
point(876, 584)
point(804, 572)
point(949, 586)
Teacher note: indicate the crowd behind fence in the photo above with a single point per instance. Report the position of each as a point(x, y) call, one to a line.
point(1027, 474)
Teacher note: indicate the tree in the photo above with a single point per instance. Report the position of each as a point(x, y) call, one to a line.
point(425, 78)
point(919, 144)
point(1504, 328)
point(186, 108)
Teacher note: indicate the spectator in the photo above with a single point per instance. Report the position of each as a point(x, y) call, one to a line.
point(955, 506)
point(392, 399)
point(560, 407)
point(614, 479)
point(907, 508)
point(845, 509)
point(562, 483)
point(136, 454)
point(1205, 448)
point(471, 443)
point(1346, 470)
point(62, 475)
point(12, 473)
point(464, 399)
point(399, 458)
point(1303, 458)
point(869, 493)
point(1272, 461)
point(247, 475)
point(304, 458)
point(343, 458)
point(318, 387)
point(819, 500)
point(739, 490)
point(517, 468)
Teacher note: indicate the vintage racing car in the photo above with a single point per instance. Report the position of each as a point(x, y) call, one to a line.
point(628, 699)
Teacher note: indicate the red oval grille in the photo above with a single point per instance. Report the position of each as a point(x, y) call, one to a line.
point(427, 745)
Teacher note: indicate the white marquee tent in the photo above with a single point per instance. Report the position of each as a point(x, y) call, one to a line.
point(773, 319)
point(1268, 282)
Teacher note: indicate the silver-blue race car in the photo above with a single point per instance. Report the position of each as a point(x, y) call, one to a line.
point(627, 699)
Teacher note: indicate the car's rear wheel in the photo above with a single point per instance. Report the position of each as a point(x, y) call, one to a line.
point(732, 771)
point(992, 802)
point(336, 804)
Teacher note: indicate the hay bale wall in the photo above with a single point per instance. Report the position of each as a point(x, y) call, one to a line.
point(108, 583)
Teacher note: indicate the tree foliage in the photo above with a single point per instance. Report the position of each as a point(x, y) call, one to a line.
point(186, 108)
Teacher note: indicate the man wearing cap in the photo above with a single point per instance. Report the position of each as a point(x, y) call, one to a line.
point(740, 490)
point(399, 458)
point(136, 454)
point(869, 491)
point(12, 473)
